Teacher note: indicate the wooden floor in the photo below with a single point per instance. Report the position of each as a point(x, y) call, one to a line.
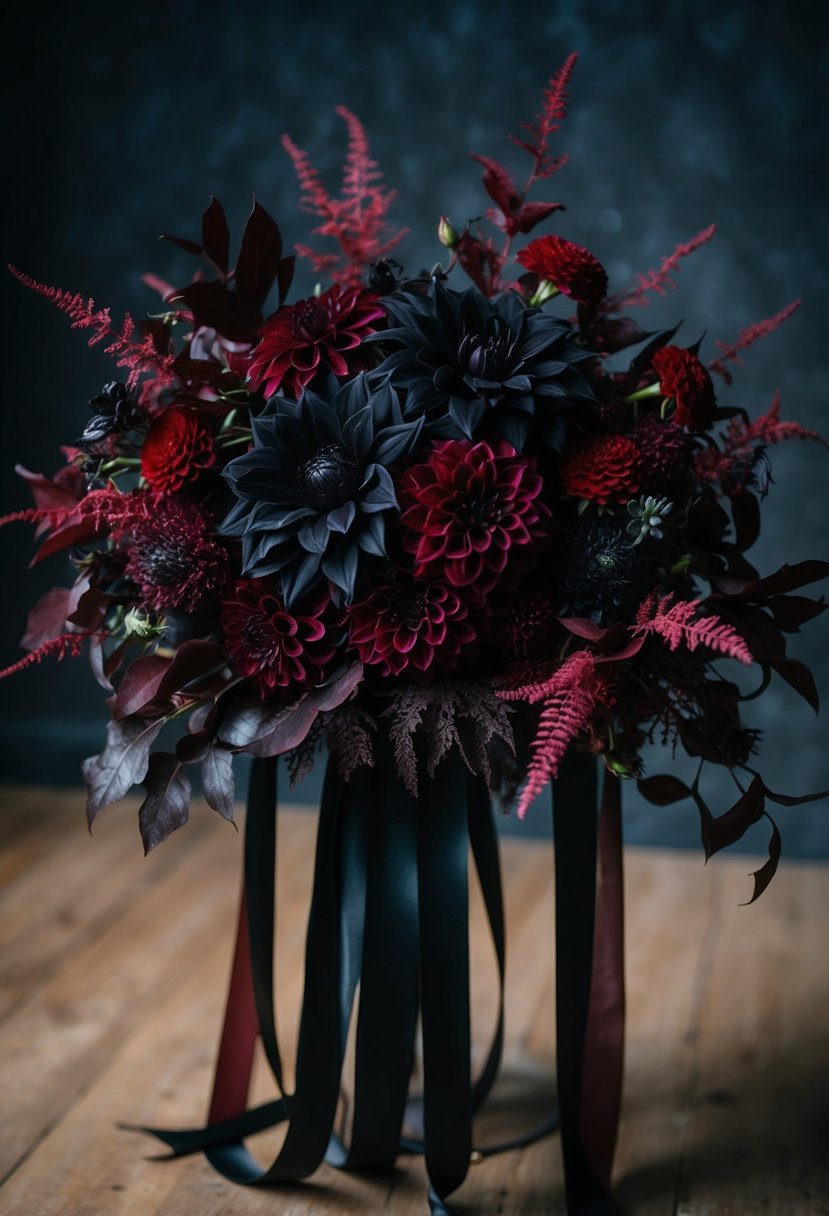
point(112, 981)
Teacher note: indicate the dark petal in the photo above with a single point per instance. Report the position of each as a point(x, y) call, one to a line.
point(518, 384)
point(341, 567)
point(299, 577)
point(372, 536)
point(381, 495)
point(550, 388)
point(341, 519)
point(358, 432)
point(466, 415)
point(553, 431)
point(313, 535)
point(550, 369)
point(525, 404)
point(514, 428)
point(394, 441)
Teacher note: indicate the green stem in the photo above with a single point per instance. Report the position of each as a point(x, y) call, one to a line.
point(652, 390)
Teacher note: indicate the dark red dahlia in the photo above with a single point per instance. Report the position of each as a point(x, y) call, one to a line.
point(406, 622)
point(172, 554)
point(664, 450)
point(571, 268)
point(526, 624)
point(273, 647)
point(320, 334)
point(177, 449)
point(465, 508)
point(603, 469)
point(684, 378)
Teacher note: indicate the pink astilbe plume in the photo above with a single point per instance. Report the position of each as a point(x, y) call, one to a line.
point(137, 356)
point(357, 220)
point(570, 694)
point(67, 644)
point(679, 625)
point(553, 113)
point(769, 428)
point(658, 281)
point(748, 336)
point(732, 466)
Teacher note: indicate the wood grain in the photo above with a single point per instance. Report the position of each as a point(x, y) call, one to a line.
point(112, 983)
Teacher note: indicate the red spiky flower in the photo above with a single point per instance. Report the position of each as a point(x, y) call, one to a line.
point(273, 647)
point(405, 622)
point(466, 507)
point(604, 469)
point(571, 268)
point(177, 449)
point(684, 378)
point(320, 334)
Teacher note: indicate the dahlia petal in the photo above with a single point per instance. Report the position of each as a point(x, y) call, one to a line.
point(336, 362)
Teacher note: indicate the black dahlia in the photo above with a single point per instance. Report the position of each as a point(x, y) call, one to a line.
point(485, 368)
point(114, 410)
point(599, 573)
point(315, 488)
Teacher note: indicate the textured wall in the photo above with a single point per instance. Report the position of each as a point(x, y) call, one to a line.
point(121, 122)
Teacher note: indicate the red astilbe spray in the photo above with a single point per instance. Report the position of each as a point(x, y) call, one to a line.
point(66, 644)
point(658, 281)
point(357, 220)
point(136, 356)
point(733, 467)
point(678, 624)
point(553, 113)
point(748, 336)
point(570, 694)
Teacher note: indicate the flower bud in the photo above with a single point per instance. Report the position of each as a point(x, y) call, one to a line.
point(447, 235)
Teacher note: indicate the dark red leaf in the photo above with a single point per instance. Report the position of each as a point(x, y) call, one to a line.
point(642, 362)
point(745, 511)
point(796, 674)
point(47, 619)
point(121, 765)
point(787, 578)
point(499, 184)
point(663, 789)
point(792, 611)
point(75, 531)
point(139, 685)
point(215, 235)
point(183, 243)
point(338, 689)
point(90, 608)
point(98, 662)
point(217, 781)
point(65, 490)
point(248, 721)
point(767, 871)
point(724, 830)
point(289, 731)
point(167, 805)
point(610, 335)
point(259, 257)
point(530, 214)
point(212, 304)
point(195, 663)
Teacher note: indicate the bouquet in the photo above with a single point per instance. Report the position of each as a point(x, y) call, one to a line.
point(476, 511)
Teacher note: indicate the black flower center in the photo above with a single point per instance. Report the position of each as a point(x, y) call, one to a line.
point(165, 564)
point(311, 320)
point(483, 511)
point(487, 356)
point(330, 478)
point(410, 608)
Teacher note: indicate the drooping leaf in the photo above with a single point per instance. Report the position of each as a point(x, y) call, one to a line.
point(259, 257)
point(767, 871)
point(797, 675)
point(121, 765)
point(139, 685)
point(212, 304)
point(167, 805)
point(218, 782)
point(718, 832)
point(663, 789)
point(196, 667)
point(48, 618)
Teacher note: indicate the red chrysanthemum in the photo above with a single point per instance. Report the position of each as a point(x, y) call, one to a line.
point(273, 647)
point(664, 451)
point(406, 622)
point(172, 554)
point(686, 380)
point(573, 269)
point(178, 447)
point(465, 508)
point(320, 334)
point(604, 469)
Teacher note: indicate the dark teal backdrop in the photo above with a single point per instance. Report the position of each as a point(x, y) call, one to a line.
point(120, 123)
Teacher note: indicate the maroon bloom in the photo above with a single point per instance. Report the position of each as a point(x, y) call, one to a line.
point(177, 449)
point(571, 268)
point(683, 377)
point(406, 622)
point(173, 555)
point(274, 648)
point(603, 469)
point(465, 508)
point(320, 334)
point(664, 451)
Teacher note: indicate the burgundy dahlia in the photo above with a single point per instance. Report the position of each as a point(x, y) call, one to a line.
point(173, 556)
point(684, 378)
point(274, 648)
point(177, 449)
point(465, 508)
point(406, 622)
point(316, 335)
point(664, 450)
point(571, 268)
point(525, 626)
point(603, 469)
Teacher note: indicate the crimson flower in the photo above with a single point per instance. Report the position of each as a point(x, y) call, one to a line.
point(321, 334)
point(571, 268)
point(464, 509)
point(406, 622)
point(603, 469)
point(683, 377)
point(178, 447)
point(173, 556)
point(271, 646)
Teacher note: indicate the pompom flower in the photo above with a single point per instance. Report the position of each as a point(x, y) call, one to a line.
point(173, 556)
point(466, 507)
point(664, 452)
point(684, 378)
point(320, 334)
point(603, 469)
point(573, 270)
point(177, 449)
point(273, 647)
point(405, 622)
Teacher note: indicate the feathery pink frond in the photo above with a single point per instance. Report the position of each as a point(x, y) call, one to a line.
point(553, 113)
point(660, 280)
point(70, 644)
point(529, 681)
point(678, 624)
point(136, 356)
point(571, 697)
point(748, 336)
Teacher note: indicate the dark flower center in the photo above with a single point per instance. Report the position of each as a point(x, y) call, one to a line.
point(487, 356)
point(481, 512)
point(410, 608)
point(330, 478)
point(165, 564)
point(311, 320)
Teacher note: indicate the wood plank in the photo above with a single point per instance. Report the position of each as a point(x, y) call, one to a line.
point(30, 828)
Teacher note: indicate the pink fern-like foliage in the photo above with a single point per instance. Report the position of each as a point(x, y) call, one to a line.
point(356, 220)
point(740, 442)
point(748, 336)
point(553, 113)
point(67, 644)
point(679, 624)
point(659, 281)
point(770, 428)
point(570, 695)
point(132, 351)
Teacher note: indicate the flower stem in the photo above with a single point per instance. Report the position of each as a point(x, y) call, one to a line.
point(652, 390)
